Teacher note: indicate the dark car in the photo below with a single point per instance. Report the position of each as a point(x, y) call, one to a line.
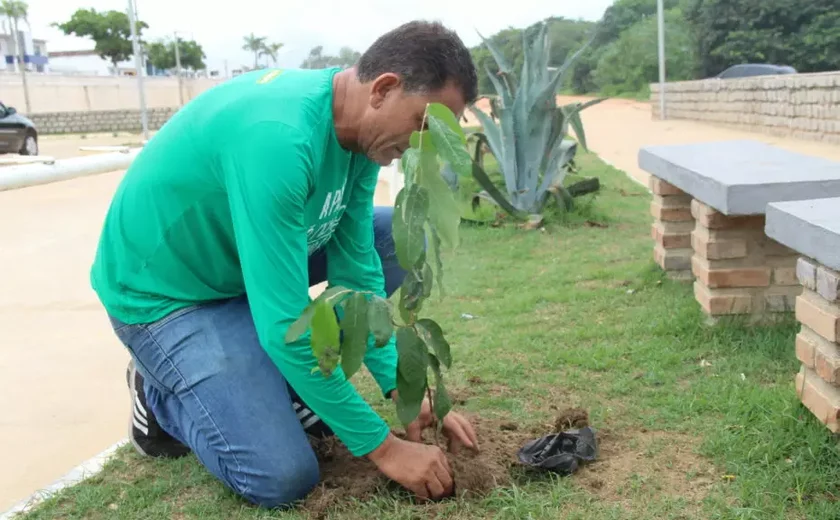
point(17, 133)
point(747, 70)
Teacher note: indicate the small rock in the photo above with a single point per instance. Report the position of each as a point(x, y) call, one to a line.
point(509, 427)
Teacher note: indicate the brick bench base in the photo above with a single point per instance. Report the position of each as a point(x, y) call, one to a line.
point(671, 230)
point(736, 268)
point(818, 310)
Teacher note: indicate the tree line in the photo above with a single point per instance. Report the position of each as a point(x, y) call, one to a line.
point(702, 37)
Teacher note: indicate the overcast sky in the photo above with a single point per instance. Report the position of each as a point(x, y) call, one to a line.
point(303, 24)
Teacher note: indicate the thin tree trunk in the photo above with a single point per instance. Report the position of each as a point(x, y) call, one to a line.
point(20, 54)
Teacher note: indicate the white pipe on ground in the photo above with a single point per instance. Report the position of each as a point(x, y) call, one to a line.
point(15, 177)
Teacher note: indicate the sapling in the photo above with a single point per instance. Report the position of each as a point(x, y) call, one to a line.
point(426, 220)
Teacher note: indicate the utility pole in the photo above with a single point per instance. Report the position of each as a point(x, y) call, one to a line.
point(660, 14)
point(178, 68)
point(138, 64)
point(20, 51)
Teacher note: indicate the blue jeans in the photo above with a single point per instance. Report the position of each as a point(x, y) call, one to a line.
point(212, 386)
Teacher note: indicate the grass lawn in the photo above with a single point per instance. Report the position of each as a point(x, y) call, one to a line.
point(693, 421)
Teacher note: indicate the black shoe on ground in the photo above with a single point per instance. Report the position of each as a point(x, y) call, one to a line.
point(312, 424)
point(144, 432)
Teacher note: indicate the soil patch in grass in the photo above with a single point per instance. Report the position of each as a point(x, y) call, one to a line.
point(345, 477)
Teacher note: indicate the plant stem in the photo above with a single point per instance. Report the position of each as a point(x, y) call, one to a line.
point(434, 415)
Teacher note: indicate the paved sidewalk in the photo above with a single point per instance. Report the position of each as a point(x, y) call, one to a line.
point(62, 371)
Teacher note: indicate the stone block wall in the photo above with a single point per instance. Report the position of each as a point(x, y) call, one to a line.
point(805, 106)
point(99, 121)
point(818, 342)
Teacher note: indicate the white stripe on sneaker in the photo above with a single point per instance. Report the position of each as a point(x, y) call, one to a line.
point(138, 406)
point(312, 420)
point(140, 427)
point(139, 417)
point(303, 413)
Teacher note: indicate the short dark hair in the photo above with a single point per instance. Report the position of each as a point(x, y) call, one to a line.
point(426, 55)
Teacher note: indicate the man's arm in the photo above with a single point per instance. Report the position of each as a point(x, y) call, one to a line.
point(352, 262)
point(267, 172)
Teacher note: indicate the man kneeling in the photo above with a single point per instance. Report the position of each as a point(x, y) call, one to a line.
point(256, 190)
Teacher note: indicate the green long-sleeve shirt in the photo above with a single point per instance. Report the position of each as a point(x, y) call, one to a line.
point(230, 197)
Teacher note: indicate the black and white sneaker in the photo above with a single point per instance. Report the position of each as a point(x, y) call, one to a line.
point(144, 432)
point(312, 424)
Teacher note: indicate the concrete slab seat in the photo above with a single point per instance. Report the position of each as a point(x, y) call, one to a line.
point(812, 229)
point(709, 203)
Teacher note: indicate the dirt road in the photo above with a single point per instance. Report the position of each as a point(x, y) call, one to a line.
point(62, 387)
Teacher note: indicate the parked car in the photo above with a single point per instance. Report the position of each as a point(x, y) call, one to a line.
point(17, 132)
point(747, 70)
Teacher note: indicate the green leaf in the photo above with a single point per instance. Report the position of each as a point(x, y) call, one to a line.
point(449, 139)
point(445, 213)
point(413, 356)
point(329, 361)
point(355, 328)
point(428, 280)
point(325, 335)
point(379, 321)
point(410, 398)
point(300, 325)
point(441, 402)
point(411, 293)
point(484, 180)
point(412, 366)
point(331, 295)
point(435, 339)
point(410, 212)
point(437, 265)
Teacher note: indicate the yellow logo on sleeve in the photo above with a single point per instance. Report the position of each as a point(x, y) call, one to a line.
point(269, 77)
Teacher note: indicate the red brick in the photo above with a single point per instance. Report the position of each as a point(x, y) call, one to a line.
point(828, 284)
point(670, 240)
point(672, 259)
point(660, 187)
point(711, 218)
point(660, 212)
point(734, 277)
point(719, 303)
point(712, 249)
point(806, 347)
point(806, 273)
point(822, 399)
point(819, 315)
point(827, 362)
point(785, 276)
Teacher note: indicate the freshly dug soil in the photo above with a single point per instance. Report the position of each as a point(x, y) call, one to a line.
point(571, 419)
point(344, 476)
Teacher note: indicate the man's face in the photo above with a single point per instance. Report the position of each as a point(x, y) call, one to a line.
point(393, 115)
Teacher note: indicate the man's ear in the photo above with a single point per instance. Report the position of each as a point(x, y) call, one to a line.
point(382, 86)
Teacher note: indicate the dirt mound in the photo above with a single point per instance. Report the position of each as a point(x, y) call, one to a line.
point(570, 419)
point(344, 476)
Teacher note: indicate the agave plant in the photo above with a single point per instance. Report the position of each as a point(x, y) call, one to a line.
point(526, 131)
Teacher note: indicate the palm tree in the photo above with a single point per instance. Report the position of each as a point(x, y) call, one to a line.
point(270, 50)
point(16, 10)
point(253, 43)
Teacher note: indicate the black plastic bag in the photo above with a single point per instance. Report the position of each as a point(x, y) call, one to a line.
point(561, 453)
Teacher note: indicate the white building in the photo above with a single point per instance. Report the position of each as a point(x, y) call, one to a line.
point(35, 55)
point(88, 63)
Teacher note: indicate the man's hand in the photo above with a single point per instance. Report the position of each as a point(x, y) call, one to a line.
point(420, 468)
point(456, 428)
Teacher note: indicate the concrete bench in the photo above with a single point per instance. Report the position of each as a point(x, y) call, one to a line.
point(709, 203)
point(812, 228)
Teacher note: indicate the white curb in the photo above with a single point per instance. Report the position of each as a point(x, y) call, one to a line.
point(79, 473)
